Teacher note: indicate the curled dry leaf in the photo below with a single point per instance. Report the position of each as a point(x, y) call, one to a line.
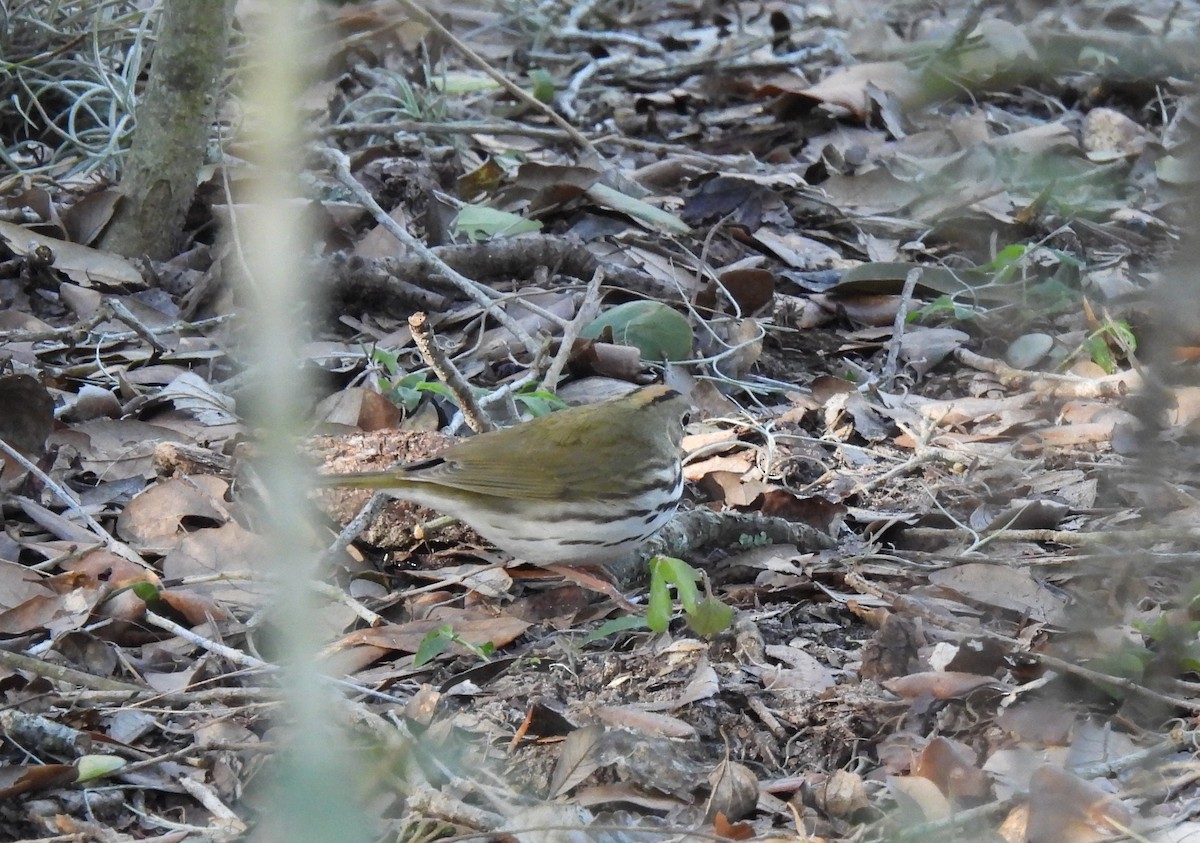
point(937, 685)
point(734, 791)
point(924, 348)
point(953, 768)
point(843, 794)
point(637, 719)
point(50, 611)
point(65, 602)
point(606, 359)
point(31, 778)
point(796, 250)
point(1068, 436)
point(733, 831)
point(1019, 514)
point(357, 407)
point(892, 650)
point(87, 218)
point(85, 266)
point(17, 584)
point(1066, 809)
point(91, 402)
point(194, 395)
point(814, 510)
point(918, 799)
point(578, 759)
point(158, 518)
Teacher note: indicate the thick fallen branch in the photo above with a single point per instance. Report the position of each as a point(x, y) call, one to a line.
point(400, 285)
point(1049, 383)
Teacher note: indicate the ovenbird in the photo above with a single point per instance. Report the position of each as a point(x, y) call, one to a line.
point(583, 485)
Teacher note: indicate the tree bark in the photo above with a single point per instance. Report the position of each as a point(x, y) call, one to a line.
point(173, 123)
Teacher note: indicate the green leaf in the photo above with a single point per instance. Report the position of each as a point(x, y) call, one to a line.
point(942, 305)
point(710, 617)
point(620, 624)
point(406, 392)
point(543, 84)
point(1004, 267)
point(147, 592)
point(658, 606)
point(1156, 629)
point(463, 82)
point(759, 539)
point(540, 402)
point(1189, 659)
point(433, 644)
point(682, 576)
point(1008, 255)
point(685, 587)
point(389, 361)
point(481, 223)
point(1123, 334)
point(1127, 662)
point(1067, 259)
point(606, 197)
point(94, 766)
point(1101, 354)
point(657, 331)
point(1051, 296)
point(435, 387)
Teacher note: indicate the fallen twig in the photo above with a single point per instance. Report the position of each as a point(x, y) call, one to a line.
point(118, 547)
point(447, 373)
point(480, 295)
point(1050, 383)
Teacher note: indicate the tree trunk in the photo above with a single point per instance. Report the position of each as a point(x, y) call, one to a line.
point(173, 123)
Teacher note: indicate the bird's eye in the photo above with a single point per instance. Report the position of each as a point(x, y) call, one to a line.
point(686, 418)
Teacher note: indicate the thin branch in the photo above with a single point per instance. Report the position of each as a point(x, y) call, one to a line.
point(893, 358)
point(586, 313)
point(515, 90)
point(1050, 383)
point(450, 127)
point(109, 541)
point(447, 373)
point(235, 656)
point(965, 27)
point(62, 673)
point(480, 295)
